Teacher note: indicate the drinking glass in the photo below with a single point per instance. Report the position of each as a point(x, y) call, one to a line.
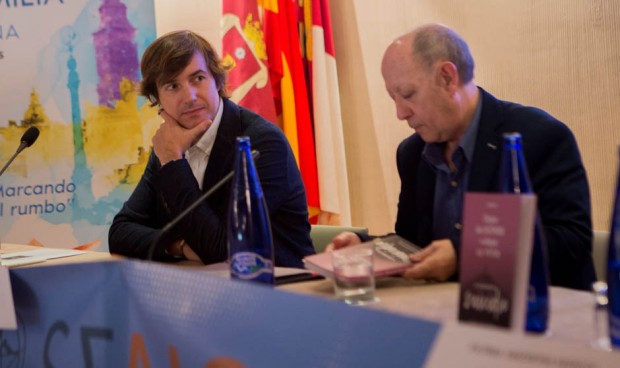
point(354, 280)
point(601, 323)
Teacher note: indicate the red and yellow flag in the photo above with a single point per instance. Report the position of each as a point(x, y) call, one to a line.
point(328, 131)
point(243, 48)
point(291, 44)
point(288, 81)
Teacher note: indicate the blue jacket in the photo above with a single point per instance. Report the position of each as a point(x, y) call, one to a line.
point(164, 192)
point(556, 171)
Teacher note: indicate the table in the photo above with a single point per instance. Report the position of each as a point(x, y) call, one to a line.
point(571, 318)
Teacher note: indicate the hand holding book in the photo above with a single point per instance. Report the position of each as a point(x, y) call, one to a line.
point(391, 257)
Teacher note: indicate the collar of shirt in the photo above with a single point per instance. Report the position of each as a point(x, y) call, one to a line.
point(198, 154)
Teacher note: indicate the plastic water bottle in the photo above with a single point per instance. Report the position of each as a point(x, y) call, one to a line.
point(250, 244)
point(514, 178)
point(613, 270)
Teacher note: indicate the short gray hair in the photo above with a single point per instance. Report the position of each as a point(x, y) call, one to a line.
point(432, 43)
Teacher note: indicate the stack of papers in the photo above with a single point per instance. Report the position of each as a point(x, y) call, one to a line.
point(28, 257)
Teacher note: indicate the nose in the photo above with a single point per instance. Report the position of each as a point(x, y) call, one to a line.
point(402, 110)
point(189, 93)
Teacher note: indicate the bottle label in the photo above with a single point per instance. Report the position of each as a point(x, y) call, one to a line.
point(248, 265)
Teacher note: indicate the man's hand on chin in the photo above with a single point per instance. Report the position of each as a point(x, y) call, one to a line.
point(172, 140)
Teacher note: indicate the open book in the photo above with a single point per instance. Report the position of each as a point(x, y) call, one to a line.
point(391, 257)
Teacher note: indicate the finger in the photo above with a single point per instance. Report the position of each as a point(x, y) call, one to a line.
point(345, 239)
point(418, 271)
point(202, 127)
point(422, 254)
point(196, 132)
point(164, 115)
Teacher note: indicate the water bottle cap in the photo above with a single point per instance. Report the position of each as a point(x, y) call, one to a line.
point(512, 136)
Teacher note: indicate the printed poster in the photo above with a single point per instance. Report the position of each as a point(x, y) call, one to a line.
point(71, 68)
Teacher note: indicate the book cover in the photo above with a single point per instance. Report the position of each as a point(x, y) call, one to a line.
point(390, 257)
point(496, 249)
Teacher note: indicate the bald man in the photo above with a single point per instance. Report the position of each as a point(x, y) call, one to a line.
point(456, 147)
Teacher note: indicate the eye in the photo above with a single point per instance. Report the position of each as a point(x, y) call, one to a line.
point(407, 94)
point(170, 86)
point(200, 77)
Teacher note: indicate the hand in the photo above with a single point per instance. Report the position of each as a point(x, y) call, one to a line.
point(189, 254)
point(172, 140)
point(436, 262)
point(344, 239)
point(175, 249)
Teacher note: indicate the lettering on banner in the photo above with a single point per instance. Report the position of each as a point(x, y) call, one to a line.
point(8, 31)
point(37, 204)
point(28, 3)
point(13, 346)
point(139, 357)
point(87, 336)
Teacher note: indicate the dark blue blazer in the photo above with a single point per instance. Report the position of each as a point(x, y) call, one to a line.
point(556, 171)
point(164, 192)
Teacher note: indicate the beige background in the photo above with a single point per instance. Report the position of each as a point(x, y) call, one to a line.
point(560, 55)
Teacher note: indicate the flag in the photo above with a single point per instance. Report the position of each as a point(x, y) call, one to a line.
point(243, 49)
point(329, 136)
point(291, 43)
point(288, 80)
point(261, 41)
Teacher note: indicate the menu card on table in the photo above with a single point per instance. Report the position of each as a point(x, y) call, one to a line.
point(496, 248)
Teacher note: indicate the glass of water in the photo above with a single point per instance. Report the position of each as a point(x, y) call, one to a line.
point(354, 280)
point(601, 319)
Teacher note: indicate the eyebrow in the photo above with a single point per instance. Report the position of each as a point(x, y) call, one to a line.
point(173, 79)
point(199, 71)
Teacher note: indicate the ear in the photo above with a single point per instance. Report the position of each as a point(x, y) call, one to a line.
point(153, 100)
point(447, 76)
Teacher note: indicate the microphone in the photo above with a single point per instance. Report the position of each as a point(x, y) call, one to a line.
point(27, 140)
point(182, 215)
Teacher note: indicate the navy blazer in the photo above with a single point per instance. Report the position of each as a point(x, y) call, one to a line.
point(164, 192)
point(556, 171)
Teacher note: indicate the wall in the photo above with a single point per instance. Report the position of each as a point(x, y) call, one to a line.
point(559, 55)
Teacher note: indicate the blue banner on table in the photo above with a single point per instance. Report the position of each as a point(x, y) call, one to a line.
point(70, 69)
point(133, 313)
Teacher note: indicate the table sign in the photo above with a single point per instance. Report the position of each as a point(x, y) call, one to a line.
point(146, 314)
point(496, 250)
point(482, 347)
point(7, 309)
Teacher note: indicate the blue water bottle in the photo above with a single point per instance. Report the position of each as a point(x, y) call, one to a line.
point(514, 178)
point(250, 244)
point(613, 270)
